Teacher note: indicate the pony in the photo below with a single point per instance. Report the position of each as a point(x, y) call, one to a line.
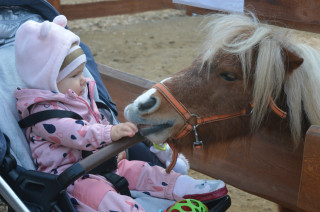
point(243, 64)
point(251, 82)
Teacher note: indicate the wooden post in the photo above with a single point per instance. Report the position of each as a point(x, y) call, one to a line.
point(309, 193)
point(56, 4)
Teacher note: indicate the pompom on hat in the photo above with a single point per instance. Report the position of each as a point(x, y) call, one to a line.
point(46, 53)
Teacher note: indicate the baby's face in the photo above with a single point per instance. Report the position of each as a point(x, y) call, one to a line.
point(74, 81)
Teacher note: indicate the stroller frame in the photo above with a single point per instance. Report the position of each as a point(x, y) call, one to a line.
point(46, 192)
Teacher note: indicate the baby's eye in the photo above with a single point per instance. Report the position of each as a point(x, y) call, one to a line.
point(77, 75)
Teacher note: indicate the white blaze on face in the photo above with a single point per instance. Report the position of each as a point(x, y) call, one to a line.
point(143, 98)
point(165, 80)
point(132, 113)
point(132, 110)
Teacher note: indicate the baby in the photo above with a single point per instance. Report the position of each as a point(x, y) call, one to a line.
point(51, 63)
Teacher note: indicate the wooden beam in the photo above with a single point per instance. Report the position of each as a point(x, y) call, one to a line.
point(55, 4)
point(117, 7)
point(309, 194)
point(296, 14)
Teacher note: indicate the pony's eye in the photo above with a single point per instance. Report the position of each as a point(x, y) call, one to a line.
point(229, 76)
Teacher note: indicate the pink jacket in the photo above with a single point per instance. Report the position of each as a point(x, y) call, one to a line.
point(57, 143)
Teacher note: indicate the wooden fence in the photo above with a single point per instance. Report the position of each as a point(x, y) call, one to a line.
point(107, 8)
point(297, 14)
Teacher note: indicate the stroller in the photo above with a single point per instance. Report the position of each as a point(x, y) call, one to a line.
point(21, 187)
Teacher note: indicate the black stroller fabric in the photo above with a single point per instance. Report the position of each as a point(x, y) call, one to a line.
point(3, 147)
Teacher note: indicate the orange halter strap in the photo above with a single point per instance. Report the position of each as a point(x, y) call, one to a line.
point(192, 120)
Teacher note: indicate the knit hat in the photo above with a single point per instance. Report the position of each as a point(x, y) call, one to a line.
point(46, 53)
point(74, 58)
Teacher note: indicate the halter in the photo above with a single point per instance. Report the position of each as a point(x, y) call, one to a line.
point(192, 121)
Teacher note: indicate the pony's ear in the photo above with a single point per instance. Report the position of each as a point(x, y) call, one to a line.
point(291, 61)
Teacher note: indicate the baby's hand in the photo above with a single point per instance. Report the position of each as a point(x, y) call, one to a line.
point(122, 155)
point(122, 130)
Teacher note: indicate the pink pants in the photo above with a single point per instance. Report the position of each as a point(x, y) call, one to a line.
point(97, 194)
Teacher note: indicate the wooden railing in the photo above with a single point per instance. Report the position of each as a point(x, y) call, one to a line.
point(297, 14)
point(107, 8)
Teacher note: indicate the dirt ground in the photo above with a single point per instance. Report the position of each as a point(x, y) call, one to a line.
point(155, 45)
point(151, 45)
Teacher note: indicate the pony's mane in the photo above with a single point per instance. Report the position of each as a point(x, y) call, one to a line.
point(239, 35)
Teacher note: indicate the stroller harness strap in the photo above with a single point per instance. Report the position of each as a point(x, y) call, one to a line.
point(119, 182)
point(106, 170)
point(45, 115)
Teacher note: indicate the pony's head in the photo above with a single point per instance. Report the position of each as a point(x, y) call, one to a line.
point(244, 71)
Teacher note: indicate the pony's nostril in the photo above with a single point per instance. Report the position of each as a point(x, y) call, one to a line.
point(148, 104)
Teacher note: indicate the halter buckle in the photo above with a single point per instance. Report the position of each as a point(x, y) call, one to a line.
point(250, 113)
point(197, 144)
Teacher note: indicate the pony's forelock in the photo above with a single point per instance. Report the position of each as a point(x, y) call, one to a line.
point(239, 35)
